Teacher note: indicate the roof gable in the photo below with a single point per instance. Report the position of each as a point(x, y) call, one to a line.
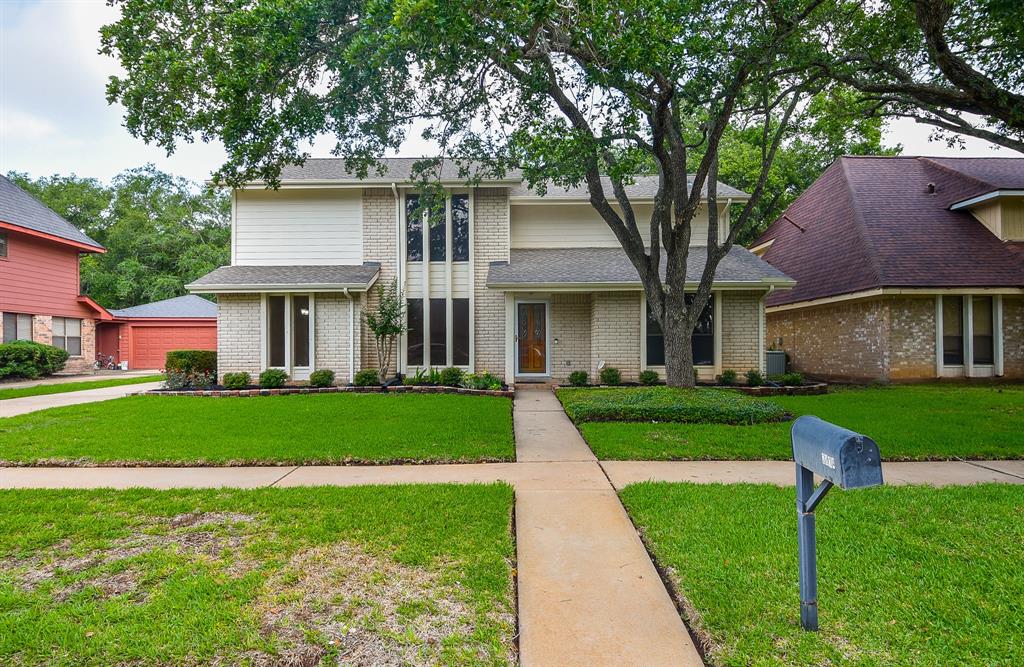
point(189, 305)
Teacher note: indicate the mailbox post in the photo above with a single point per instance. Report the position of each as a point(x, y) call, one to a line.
point(841, 458)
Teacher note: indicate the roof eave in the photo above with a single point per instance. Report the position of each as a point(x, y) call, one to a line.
point(84, 247)
point(777, 283)
point(994, 194)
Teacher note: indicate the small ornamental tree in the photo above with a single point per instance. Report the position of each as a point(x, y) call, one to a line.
point(387, 323)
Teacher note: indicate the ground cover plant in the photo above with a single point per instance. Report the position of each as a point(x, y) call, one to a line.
point(362, 575)
point(669, 404)
point(913, 422)
point(907, 575)
point(63, 387)
point(311, 428)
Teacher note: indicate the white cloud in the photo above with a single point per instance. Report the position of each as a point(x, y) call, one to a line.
point(54, 117)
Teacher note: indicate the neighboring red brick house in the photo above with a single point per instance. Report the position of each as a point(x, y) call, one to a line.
point(40, 297)
point(142, 335)
point(907, 268)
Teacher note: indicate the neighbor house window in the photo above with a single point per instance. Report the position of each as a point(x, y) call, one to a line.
point(438, 333)
point(67, 335)
point(460, 228)
point(414, 332)
point(17, 326)
point(460, 332)
point(3, 244)
point(276, 330)
point(981, 330)
point(702, 343)
point(300, 331)
point(952, 330)
point(413, 229)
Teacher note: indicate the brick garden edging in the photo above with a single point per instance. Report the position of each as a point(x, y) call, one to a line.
point(286, 391)
point(813, 389)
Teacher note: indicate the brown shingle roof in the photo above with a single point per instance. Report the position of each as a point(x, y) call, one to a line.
point(871, 222)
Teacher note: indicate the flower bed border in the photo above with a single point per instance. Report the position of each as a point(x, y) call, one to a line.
point(286, 391)
point(813, 389)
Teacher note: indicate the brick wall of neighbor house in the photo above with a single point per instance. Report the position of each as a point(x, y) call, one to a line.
point(615, 333)
point(911, 338)
point(238, 335)
point(331, 335)
point(842, 341)
point(741, 340)
point(570, 334)
point(490, 244)
point(42, 332)
point(379, 245)
point(1013, 337)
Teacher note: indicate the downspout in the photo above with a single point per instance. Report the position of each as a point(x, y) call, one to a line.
point(399, 269)
point(351, 336)
point(763, 326)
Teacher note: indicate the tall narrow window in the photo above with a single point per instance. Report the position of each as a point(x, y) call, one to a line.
point(460, 332)
point(275, 330)
point(438, 237)
point(460, 228)
point(3, 244)
point(952, 330)
point(67, 335)
point(438, 333)
point(981, 329)
point(702, 343)
point(17, 326)
point(414, 334)
point(413, 229)
point(300, 331)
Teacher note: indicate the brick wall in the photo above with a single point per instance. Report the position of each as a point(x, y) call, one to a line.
point(741, 344)
point(490, 244)
point(845, 341)
point(1013, 337)
point(570, 334)
point(615, 333)
point(238, 334)
point(379, 245)
point(911, 349)
point(42, 332)
point(331, 334)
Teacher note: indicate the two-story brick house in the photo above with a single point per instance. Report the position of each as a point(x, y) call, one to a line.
point(40, 299)
point(522, 285)
point(907, 268)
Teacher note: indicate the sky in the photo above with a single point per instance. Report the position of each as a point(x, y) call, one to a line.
point(54, 117)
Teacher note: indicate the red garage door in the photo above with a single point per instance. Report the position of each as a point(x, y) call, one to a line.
point(150, 344)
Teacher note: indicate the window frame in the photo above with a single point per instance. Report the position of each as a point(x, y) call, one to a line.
point(710, 309)
point(64, 337)
point(289, 366)
point(17, 319)
point(5, 245)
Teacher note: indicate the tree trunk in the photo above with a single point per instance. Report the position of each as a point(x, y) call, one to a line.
point(678, 350)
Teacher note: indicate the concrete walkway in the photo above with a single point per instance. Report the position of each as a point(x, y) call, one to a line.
point(19, 406)
point(80, 377)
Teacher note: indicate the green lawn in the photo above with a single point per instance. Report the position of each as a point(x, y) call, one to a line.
point(914, 422)
point(298, 429)
point(60, 388)
point(907, 576)
point(666, 404)
point(374, 575)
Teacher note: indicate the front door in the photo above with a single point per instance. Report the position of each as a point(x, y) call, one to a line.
point(531, 332)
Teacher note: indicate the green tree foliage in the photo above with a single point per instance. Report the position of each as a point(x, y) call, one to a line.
point(160, 231)
point(386, 322)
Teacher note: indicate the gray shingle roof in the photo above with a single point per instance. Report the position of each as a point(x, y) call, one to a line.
point(591, 266)
point(18, 207)
point(189, 305)
point(262, 278)
point(643, 187)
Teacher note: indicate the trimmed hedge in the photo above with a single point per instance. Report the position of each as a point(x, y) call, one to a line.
point(191, 361)
point(321, 378)
point(273, 378)
point(667, 404)
point(368, 377)
point(237, 380)
point(26, 359)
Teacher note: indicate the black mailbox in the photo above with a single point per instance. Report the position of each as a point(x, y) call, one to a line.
point(846, 459)
point(842, 458)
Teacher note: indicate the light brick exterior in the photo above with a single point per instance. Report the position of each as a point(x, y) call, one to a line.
point(331, 335)
point(890, 338)
point(380, 244)
point(570, 335)
point(238, 335)
point(741, 331)
point(615, 333)
point(490, 241)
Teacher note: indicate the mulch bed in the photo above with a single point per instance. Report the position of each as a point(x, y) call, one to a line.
point(286, 391)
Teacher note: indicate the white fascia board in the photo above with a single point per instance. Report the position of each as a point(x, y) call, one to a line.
point(632, 286)
point(538, 199)
point(995, 194)
point(289, 287)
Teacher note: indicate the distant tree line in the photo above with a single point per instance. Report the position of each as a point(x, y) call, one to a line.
point(160, 231)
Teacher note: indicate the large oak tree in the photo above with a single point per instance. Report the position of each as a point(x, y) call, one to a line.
point(566, 91)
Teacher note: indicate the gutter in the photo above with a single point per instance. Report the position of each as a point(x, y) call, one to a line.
point(399, 267)
point(351, 336)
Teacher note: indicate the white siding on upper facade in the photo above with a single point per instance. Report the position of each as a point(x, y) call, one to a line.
point(580, 226)
point(285, 227)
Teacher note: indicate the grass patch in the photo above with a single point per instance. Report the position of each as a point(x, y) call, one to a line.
point(62, 387)
point(298, 429)
point(907, 576)
point(364, 575)
point(909, 423)
point(667, 404)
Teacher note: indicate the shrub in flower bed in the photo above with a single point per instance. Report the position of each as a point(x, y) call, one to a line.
point(788, 379)
point(610, 375)
point(204, 361)
point(273, 378)
point(368, 377)
point(451, 377)
point(27, 359)
point(668, 404)
point(481, 381)
point(648, 378)
point(237, 380)
point(579, 378)
point(321, 378)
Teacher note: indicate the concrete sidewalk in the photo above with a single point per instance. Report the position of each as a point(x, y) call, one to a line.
point(81, 377)
point(19, 406)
